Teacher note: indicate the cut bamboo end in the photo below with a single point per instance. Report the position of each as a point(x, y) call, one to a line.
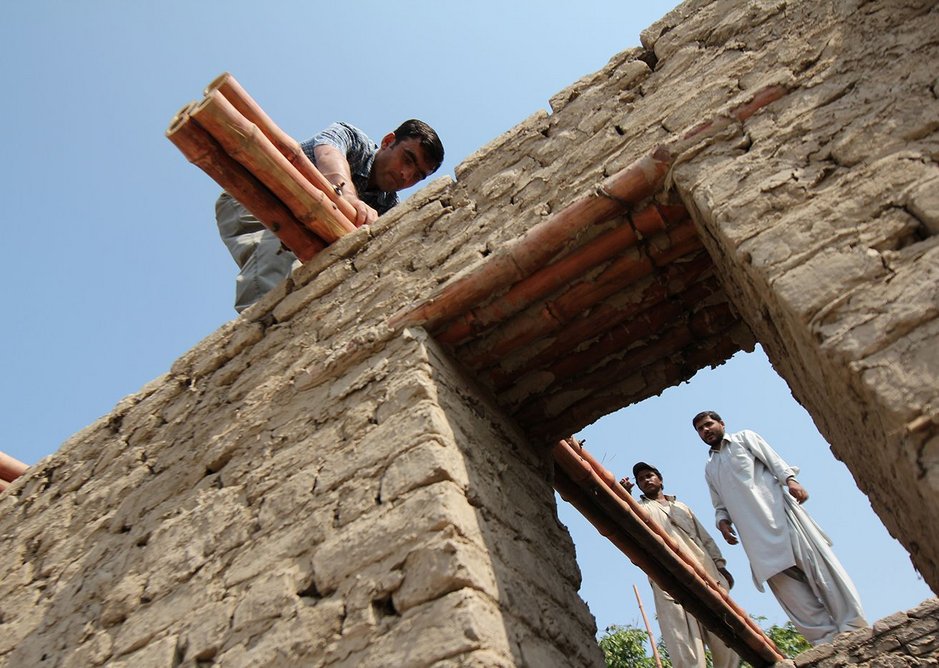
point(217, 82)
point(11, 468)
point(180, 119)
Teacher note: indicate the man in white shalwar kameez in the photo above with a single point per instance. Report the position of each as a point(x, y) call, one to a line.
point(683, 635)
point(784, 545)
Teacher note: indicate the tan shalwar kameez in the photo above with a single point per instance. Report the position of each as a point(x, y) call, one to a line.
point(684, 636)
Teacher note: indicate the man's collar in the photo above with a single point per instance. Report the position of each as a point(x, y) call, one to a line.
point(718, 447)
point(668, 497)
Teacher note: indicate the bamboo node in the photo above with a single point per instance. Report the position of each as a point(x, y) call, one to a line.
point(603, 192)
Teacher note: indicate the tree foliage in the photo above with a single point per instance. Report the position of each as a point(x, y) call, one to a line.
point(626, 646)
point(789, 641)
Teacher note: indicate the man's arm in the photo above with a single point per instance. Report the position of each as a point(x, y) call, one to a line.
point(721, 516)
point(784, 473)
point(710, 547)
point(334, 166)
point(706, 542)
point(337, 151)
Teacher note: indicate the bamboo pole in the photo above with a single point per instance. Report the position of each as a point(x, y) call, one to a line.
point(610, 480)
point(701, 323)
point(661, 251)
point(202, 150)
point(672, 339)
point(572, 492)
point(645, 618)
point(536, 247)
point(568, 390)
point(546, 280)
point(229, 87)
point(244, 142)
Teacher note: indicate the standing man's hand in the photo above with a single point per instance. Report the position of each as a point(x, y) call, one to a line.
point(727, 531)
point(627, 483)
point(798, 492)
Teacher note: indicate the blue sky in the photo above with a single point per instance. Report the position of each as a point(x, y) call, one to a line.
point(114, 268)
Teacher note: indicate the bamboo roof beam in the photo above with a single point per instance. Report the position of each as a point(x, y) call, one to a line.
point(617, 393)
point(202, 150)
point(580, 362)
point(643, 223)
point(611, 327)
point(610, 480)
point(528, 326)
point(562, 392)
point(675, 338)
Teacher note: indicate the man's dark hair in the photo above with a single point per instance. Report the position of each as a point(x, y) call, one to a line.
point(428, 138)
point(705, 414)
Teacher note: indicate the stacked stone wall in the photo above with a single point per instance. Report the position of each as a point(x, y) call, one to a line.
point(822, 217)
point(308, 488)
point(303, 488)
point(903, 639)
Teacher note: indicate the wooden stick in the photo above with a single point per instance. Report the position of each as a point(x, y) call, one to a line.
point(203, 151)
point(670, 312)
point(611, 482)
point(537, 246)
point(530, 252)
point(229, 87)
point(655, 650)
point(244, 142)
point(631, 385)
point(569, 389)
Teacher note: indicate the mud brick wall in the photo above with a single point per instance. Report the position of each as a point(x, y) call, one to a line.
point(903, 639)
point(823, 217)
point(300, 489)
point(306, 487)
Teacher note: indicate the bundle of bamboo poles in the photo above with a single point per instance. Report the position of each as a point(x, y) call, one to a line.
point(235, 142)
